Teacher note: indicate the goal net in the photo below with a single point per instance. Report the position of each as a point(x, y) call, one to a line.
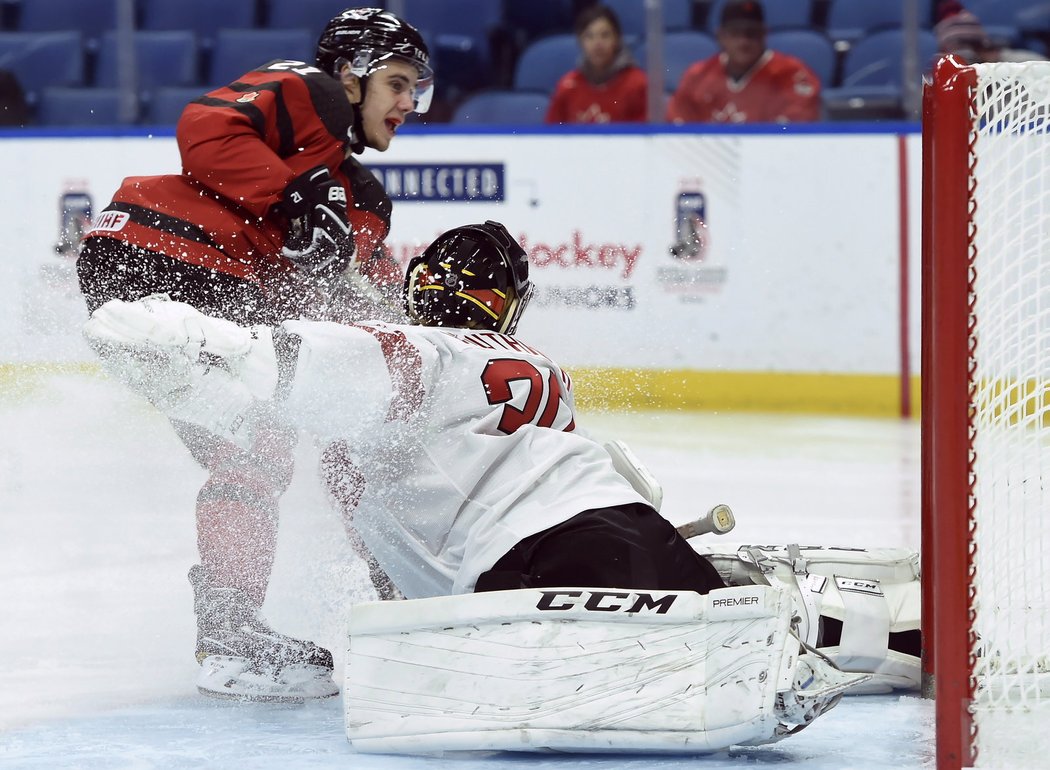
point(986, 411)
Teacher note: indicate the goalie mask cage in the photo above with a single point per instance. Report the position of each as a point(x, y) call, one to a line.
point(986, 411)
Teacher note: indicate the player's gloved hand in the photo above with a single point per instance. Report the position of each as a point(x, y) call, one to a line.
point(320, 239)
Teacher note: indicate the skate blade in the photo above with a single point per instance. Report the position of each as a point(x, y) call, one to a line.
point(229, 678)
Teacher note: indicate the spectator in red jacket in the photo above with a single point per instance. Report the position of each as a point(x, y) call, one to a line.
point(746, 82)
point(607, 87)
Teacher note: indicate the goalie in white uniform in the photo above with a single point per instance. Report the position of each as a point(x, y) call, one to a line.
point(465, 470)
point(474, 474)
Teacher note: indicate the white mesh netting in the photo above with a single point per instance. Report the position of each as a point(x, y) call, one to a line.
point(1011, 420)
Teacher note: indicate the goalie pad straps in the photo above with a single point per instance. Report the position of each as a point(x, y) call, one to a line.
point(580, 669)
point(872, 593)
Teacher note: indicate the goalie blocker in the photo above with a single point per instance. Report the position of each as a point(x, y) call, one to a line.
point(581, 669)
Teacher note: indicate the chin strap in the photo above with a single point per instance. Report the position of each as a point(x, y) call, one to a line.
point(355, 134)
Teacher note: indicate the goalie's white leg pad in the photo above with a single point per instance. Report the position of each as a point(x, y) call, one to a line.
point(573, 669)
point(232, 678)
point(872, 592)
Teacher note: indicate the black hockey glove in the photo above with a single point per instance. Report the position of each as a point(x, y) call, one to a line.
point(320, 239)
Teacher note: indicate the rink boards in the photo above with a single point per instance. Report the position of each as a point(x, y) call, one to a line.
point(790, 298)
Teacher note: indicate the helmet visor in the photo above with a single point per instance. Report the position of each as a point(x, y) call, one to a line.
point(367, 62)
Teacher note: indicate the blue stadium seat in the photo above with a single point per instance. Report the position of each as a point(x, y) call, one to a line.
point(166, 58)
point(311, 14)
point(780, 14)
point(237, 51)
point(850, 20)
point(89, 17)
point(204, 17)
point(813, 48)
point(165, 105)
point(43, 59)
point(1008, 20)
point(457, 33)
point(677, 15)
point(681, 49)
point(1026, 15)
point(506, 107)
point(544, 61)
point(872, 73)
point(60, 106)
point(533, 19)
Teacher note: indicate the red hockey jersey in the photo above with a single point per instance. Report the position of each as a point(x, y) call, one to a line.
point(622, 99)
point(778, 89)
point(241, 145)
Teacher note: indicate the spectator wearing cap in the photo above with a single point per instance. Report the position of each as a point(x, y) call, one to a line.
point(607, 86)
point(746, 82)
point(960, 32)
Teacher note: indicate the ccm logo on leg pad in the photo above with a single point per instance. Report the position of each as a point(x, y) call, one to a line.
point(604, 601)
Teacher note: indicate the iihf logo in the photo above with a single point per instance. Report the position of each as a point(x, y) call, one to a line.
point(690, 223)
point(696, 268)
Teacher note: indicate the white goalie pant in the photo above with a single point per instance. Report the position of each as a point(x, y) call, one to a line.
point(577, 669)
point(872, 592)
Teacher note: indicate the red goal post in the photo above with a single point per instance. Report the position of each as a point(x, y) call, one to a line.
point(986, 411)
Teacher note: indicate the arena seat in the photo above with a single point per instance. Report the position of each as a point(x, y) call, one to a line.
point(780, 14)
point(162, 58)
point(237, 51)
point(850, 20)
point(165, 105)
point(204, 17)
point(533, 19)
point(89, 17)
point(681, 49)
point(872, 75)
point(311, 14)
point(43, 59)
point(1007, 20)
point(813, 48)
point(61, 106)
point(544, 61)
point(677, 15)
point(502, 107)
point(457, 33)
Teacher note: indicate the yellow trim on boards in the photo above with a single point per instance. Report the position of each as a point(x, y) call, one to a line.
point(22, 380)
point(602, 389)
point(870, 395)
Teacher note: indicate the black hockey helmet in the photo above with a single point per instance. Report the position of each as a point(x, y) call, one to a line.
point(471, 277)
point(366, 38)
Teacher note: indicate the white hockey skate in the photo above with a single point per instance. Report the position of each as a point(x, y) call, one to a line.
point(819, 685)
point(242, 658)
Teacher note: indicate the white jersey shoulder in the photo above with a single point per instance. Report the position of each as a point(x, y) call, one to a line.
point(466, 440)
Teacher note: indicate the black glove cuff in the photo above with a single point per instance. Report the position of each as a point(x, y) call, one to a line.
point(301, 193)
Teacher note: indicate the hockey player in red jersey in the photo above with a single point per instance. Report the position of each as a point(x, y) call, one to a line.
point(746, 82)
point(271, 218)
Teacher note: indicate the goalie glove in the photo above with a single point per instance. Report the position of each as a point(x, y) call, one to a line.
point(320, 239)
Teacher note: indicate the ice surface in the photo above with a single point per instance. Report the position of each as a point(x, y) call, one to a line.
point(96, 619)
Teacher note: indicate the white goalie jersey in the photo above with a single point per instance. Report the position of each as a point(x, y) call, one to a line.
point(466, 441)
